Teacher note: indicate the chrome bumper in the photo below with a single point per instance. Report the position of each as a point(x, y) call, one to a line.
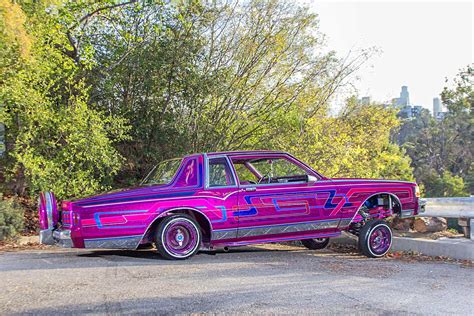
point(421, 206)
point(413, 213)
point(56, 237)
point(46, 237)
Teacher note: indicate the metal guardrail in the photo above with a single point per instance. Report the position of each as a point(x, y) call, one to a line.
point(451, 207)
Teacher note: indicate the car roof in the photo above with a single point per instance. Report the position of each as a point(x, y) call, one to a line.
point(234, 153)
point(252, 152)
point(245, 152)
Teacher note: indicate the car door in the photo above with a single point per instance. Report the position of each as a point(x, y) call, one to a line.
point(221, 191)
point(279, 199)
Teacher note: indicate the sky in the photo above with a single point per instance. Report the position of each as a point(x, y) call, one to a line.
point(421, 43)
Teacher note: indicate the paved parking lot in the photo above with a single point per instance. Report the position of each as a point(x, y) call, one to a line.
point(262, 279)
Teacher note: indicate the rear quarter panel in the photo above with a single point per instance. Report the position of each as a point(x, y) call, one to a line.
point(358, 191)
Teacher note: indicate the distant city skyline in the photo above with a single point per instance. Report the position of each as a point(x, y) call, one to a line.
point(422, 43)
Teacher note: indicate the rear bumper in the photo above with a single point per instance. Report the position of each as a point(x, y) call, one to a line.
point(421, 206)
point(61, 237)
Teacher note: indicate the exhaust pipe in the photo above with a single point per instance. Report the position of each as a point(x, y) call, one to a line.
point(226, 249)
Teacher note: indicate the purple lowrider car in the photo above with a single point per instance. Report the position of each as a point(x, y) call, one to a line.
point(225, 199)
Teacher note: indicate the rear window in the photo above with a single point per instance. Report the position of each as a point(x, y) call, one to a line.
point(163, 172)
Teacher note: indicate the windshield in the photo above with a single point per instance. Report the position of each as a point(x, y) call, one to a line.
point(163, 172)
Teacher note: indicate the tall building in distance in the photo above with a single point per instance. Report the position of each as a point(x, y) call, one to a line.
point(364, 100)
point(436, 107)
point(404, 99)
point(406, 110)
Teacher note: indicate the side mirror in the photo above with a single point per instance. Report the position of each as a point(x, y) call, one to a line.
point(311, 179)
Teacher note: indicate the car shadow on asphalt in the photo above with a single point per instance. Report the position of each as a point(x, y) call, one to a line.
point(153, 255)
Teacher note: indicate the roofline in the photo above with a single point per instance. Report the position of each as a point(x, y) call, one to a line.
point(257, 152)
point(246, 152)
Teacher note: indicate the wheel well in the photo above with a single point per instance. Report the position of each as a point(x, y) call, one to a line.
point(370, 209)
point(200, 218)
point(386, 198)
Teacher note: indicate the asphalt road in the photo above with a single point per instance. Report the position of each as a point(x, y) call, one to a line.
point(263, 279)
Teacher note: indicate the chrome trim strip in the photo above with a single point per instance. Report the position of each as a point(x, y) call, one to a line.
point(125, 242)
point(228, 234)
point(407, 213)
point(279, 239)
point(273, 184)
point(206, 171)
point(345, 222)
point(275, 229)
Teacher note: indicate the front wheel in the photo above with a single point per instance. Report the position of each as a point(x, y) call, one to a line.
point(375, 239)
point(315, 243)
point(178, 237)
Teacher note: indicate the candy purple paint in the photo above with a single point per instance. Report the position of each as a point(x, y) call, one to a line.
point(228, 199)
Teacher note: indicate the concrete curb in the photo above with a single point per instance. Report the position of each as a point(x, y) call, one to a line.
point(455, 248)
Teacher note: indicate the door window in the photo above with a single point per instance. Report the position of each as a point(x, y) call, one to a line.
point(220, 173)
point(244, 174)
point(268, 170)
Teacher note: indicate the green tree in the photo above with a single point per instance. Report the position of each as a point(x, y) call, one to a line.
point(200, 77)
point(354, 143)
point(54, 140)
point(11, 218)
point(85, 83)
point(442, 152)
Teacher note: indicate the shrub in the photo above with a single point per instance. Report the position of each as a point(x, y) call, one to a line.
point(11, 218)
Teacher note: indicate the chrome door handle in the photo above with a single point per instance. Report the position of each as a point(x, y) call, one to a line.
point(250, 189)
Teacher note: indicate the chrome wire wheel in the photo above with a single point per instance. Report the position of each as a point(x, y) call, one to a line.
point(375, 239)
point(380, 240)
point(178, 237)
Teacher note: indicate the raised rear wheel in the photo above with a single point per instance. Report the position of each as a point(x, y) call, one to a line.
point(315, 243)
point(178, 237)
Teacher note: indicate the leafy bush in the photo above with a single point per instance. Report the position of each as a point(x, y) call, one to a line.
point(11, 218)
point(443, 185)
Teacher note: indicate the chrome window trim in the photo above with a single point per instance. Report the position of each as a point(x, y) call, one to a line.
point(206, 171)
point(286, 156)
point(272, 184)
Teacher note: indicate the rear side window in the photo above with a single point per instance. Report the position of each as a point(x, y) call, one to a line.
point(220, 174)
